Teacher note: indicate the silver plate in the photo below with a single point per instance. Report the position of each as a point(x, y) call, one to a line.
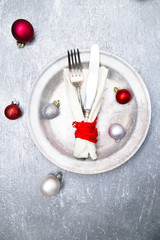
point(55, 138)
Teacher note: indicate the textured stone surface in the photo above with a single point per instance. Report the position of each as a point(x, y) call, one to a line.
point(122, 204)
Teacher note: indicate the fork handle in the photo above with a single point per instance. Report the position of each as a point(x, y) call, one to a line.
point(79, 96)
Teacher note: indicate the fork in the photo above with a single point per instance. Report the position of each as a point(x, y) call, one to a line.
point(75, 70)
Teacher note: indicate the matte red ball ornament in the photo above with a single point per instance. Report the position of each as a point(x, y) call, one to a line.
point(22, 31)
point(123, 96)
point(12, 111)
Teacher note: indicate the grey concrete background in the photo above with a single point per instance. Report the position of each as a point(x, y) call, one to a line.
point(123, 204)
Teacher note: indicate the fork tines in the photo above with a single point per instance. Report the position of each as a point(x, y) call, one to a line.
point(74, 61)
point(75, 71)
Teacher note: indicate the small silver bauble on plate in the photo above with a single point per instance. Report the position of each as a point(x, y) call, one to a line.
point(51, 110)
point(50, 184)
point(116, 131)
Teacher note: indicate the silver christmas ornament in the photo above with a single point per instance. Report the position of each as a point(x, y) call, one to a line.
point(51, 110)
point(116, 131)
point(50, 184)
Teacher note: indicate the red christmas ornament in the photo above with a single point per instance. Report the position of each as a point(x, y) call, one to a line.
point(123, 96)
point(22, 31)
point(12, 111)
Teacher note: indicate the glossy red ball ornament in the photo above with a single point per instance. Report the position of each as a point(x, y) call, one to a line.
point(12, 111)
point(123, 96)
point(22, 31)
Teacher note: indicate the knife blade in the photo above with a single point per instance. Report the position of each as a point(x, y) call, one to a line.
point(92, 80)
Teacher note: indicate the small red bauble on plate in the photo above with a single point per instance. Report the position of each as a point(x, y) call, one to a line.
point(22, 31)
point(123, 96)
point(12, 111)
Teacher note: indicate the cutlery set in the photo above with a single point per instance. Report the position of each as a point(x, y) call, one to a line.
point(76, 77)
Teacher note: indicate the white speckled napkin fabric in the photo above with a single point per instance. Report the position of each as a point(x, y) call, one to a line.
point(83, 148)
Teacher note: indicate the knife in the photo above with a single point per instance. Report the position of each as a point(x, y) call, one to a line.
point(92, 81)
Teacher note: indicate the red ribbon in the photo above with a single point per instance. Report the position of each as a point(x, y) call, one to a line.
point(86, 130)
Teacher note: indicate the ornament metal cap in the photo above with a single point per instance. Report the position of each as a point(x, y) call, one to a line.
point(57, 103)
point(14, 101)
point(20, 45)
point(116, 89)
point(59, 176)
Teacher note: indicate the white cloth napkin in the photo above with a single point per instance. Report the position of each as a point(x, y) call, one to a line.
point(83, 148)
